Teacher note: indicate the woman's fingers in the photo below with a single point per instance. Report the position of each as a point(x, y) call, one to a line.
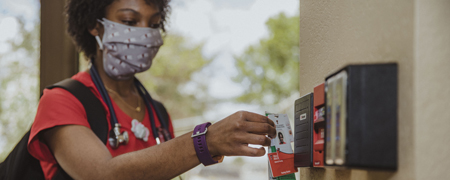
point(231, 135)
point(249, 151)
point(253, 117)
point(254, 139)
point(259, 128)
point(255, 123)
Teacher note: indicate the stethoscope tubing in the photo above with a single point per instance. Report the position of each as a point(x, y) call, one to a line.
point(142, 91)
point(150, 103)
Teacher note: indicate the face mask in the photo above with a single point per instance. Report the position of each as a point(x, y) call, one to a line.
point(127, 50)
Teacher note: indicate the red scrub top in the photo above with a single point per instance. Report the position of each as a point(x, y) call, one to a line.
point(59, 107)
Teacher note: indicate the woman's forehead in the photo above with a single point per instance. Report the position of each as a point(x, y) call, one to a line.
point(141, 6)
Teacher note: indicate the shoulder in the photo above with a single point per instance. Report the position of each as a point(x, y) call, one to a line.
point(58, 99)
point(85, 78)
point(57, 107)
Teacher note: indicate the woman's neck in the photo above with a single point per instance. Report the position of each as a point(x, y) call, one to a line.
point(122, 92)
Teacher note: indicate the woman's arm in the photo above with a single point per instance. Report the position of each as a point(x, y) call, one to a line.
point(83, 156)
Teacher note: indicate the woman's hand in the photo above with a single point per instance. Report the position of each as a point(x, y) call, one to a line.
point(231, 136)
point(83, 156)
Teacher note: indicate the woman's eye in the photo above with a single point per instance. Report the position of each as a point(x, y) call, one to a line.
point(155, 25)
point(129, 23)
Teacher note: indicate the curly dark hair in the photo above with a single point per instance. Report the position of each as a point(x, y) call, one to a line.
point(279, 133)
point(82, 15)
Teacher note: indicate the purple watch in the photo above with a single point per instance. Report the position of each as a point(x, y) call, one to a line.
point(199, 138)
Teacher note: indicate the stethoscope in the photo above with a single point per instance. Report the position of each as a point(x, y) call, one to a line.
point(116, 137)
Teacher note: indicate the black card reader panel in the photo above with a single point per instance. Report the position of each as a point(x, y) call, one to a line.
point(303, 153)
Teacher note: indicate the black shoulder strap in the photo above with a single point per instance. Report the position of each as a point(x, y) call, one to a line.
point(95, 112)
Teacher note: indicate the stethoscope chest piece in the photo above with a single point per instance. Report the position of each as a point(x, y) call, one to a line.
point(116, 137)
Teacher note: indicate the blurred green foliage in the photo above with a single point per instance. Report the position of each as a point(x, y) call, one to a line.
point(172, 71)
point(18, 86)
point(269, 70)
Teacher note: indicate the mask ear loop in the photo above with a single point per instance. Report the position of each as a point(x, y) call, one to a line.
point(99, 41)
point(100, 44)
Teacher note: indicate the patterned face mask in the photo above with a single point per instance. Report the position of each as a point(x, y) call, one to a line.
point(127, 50)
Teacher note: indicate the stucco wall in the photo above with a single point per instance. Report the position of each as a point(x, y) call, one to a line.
point(416, 35)
point(432, 89)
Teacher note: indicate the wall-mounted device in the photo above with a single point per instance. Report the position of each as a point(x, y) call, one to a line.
point(361, 117)
point(303, 152)
point(319, 125)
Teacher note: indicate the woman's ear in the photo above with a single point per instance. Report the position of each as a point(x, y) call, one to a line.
point(96, 30)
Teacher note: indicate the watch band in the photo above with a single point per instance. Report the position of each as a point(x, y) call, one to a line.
point(199, 138)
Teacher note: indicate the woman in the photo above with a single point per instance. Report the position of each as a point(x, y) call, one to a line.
point(281, 138)
point(121, 37)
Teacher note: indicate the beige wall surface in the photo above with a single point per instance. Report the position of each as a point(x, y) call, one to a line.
point(432, 89)
point(416, 35)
